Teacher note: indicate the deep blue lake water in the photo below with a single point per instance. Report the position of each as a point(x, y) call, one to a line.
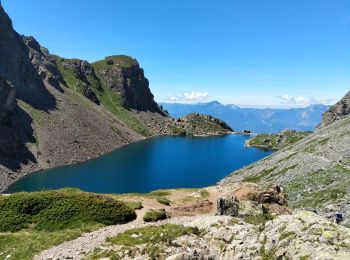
point(155, 163)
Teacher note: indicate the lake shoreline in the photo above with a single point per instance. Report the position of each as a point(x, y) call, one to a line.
point(154, 158)
point(28, 170)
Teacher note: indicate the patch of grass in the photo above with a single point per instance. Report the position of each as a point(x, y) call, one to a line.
point(122, 61)
point(257, 177)
point(164, 201)
point(159, 193)
point(277, 141)
point(204, 194)
point(258, 219)
point(113, 102)
point(155, 215)
point(25, 244)
point(37, 115)
point(318, 188)
point(134, 204)
point(313, 144)
point(57, 210)
point(283, 171)
point(285, 235)
point(267, 255)
point(287, 158)
point(152, 235)
point(100, 253)
point(155, 238)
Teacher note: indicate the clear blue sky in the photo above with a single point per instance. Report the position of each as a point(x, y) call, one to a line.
point(249, 52)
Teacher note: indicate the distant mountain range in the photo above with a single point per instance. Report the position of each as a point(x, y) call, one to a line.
point(267, 120)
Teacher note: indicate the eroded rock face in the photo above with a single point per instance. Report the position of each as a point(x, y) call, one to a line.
point(123, 75)
point(338, 111)
point(86, 77)
point(43, 63)
point(9, 141)
point(16, 64)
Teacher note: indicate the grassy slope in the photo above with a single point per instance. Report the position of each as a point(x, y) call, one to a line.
point(32, 222)
point(315, 171)
point(109, 99)
point(277, 141)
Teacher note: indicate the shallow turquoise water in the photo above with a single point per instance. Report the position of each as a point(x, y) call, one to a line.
point(155, 163)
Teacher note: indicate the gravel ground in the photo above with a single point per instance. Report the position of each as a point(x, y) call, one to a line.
point(78, 248)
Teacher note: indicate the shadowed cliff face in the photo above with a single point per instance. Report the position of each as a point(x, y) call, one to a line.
point(7, 97)
point(338, 111)
point(16, 67)
point(15, 129)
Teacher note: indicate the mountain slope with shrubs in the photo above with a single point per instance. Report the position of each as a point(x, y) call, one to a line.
point(314, 171)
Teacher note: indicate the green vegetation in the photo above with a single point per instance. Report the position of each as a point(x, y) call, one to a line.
point(163, 201)
point(285, 235)
point(178, 131)
point(206, 124)
point(36, 114)
point(100, 253)
point(33, 222)
point(134, 204)
point(204, 194)
point(283, 171)
point(156, 238)
point(313, 144)
point(259, 176)
point(277, 141)
point(155, 215)
point(25, 244)
point(123, 61)
point(258, 219)
point(159, 193)
point(288, 157)
point(62, 209)
point(113, 102)
point(110, 100)
point(318, 188)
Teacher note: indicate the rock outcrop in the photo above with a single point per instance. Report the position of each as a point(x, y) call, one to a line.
point(86, 79)
point(336, 112)
point(197, 124)
point(123, 75)
point(276, 141)
point(301, 235)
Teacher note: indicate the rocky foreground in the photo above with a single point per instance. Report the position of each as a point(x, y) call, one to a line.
point(251, 222)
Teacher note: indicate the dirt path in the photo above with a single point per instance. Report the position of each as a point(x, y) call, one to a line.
point(78, 248)
point(186, 205)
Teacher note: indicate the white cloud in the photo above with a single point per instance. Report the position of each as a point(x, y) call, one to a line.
point(305, 101)
point(189, 97)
